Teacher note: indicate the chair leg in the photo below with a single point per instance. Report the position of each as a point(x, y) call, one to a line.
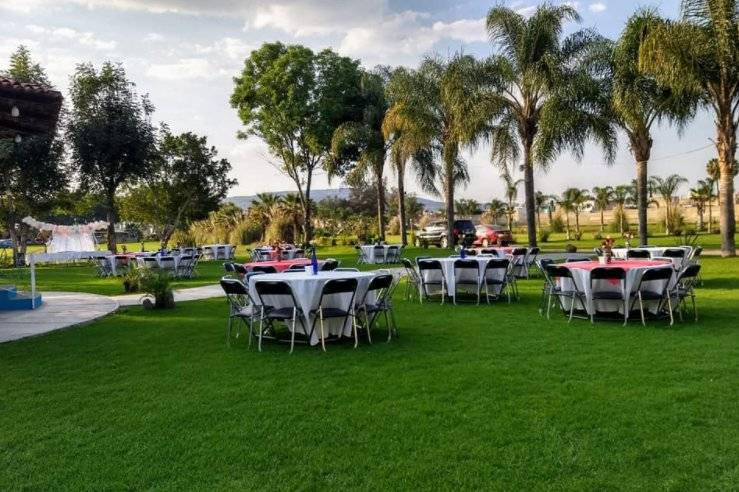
point(292, 335)
point(368, 327)
point(669, 306)
point(572, 309)
point(354, 328)
point(695, 308)
point(261, 329)
point(323, 334)
point(228, 331)
point(641, 309)
point(395, 326)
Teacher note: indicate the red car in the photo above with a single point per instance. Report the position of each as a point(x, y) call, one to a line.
point(491, 235)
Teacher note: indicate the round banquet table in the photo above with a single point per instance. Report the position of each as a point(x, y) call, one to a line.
point(280, 265)
point(447, 265)
point(657, 251)
point(270, 252)
point(306, 288)
point(634, 270)
point(501, 251)
point(218, 251)
point(368, 250)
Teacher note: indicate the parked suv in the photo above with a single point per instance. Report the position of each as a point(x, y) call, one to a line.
point(488, 235)
point(436, 234)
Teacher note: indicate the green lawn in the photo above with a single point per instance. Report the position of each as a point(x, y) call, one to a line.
point(469, 397)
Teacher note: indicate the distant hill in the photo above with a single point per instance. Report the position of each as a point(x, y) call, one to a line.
point(318, 195)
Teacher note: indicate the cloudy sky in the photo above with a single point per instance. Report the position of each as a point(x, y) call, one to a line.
point(184, 53)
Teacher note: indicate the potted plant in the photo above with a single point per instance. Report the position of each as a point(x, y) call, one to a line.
point(156, 285)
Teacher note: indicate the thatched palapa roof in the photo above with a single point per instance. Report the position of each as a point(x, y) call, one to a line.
point(38, 106)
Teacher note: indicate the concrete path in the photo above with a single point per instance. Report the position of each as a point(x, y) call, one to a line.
point(190, 294)
point(59, 310)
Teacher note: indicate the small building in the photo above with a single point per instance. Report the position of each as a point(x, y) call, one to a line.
point(27, 109)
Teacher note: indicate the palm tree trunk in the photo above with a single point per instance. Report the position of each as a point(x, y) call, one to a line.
point(700, 219)
point(380, 210)
point(538, 218)
point(400, 167)
point(577, 222)
point(726, 151)
point(710, 213)
point(449, 158)
point(642, 197)
point(602, 222)
point(567, 220)
point(528, 185)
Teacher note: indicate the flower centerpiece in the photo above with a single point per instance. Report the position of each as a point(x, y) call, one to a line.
point(607, 247)
point(628, 237)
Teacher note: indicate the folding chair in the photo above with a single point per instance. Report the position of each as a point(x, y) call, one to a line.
point(653, 274)
point(431, 273)
point(346, 269)
point(519, 268)
point(183, 267)
point(209, 253)
point(167, 263)
point(329, 265)
point(466, 273)
point(412, 279)
point(322, 312)
point(299, 253)
point(638, 253)
point(531, 256)
point(104, 267)
point(361, 257)
point(382, 287)
point(240, 270)
point(685, 287)
point(228, 267)
point(149, 262)
point(264, 269)
point(609, 274)
point(552, 274)
point(241, 307)
point(496, 275)
point(379, 254)
point(392, 255)
point(292, 313)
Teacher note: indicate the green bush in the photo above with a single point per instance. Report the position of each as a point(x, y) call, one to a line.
point(544, 235)
point(571, 248)
point(597, 235)
point(182, 237)
point(157, 284)
point(558, 224)
point(614, 226)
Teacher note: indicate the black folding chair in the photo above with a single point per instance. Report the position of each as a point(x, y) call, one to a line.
point(640, 294)
point(241, 307)
point(431, 268)
point(292, 313)
point(412, 279)
point(240, 269)
point(466, 273)
point(392, 255)
point(496, 275)
point(296, 268)
point(552, 274)
point(520, 268)
point(382, 287)
point(335, 287)
point(329, 265)
point(685, 287)
point(228, 267)
point(531, 257)
point(379, 254)
point(264, 269)
point(615, 273)
point(638, 253)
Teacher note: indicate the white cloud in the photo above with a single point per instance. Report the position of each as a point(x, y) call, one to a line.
point(231, 48)
point(466, 30)
point(153, 37)
point(185, 68)
point(65, 34)
point(597, 7)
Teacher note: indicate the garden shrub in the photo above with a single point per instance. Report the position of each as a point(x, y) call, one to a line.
point(544, 235)
point(558, 224)
point(571, 248)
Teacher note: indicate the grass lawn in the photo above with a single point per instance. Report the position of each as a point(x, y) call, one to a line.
point(468, 397)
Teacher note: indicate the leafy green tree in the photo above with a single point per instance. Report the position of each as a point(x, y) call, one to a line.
point(265, 206)
point(110, 134)
point(511, 193)
point(572, 201)
point(291, 208)
point(639, 103)
point(437, 113)
point(546, 94)
point(542, 203)
point(32, 172)
point(667, 188)
point(602, 196)
point(467, 207)
point(186, 182)
point(494, 210)
point(294, 100)
point(363, 142)
point(701, 196)
point(697, 56)
point(622, 196)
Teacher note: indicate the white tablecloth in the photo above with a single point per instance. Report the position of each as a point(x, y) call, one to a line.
point(286, 254)
point(369, 252)
point(65, 256)
point(447, 265)
point(633, 276)
point(219, 251)
point(306, 288)
point(657, 252)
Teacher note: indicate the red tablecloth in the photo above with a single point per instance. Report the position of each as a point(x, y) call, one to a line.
point(280, 266)
point(625, 264)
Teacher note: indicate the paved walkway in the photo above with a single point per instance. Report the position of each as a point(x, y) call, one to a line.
point(190, 294)
point(59, 310)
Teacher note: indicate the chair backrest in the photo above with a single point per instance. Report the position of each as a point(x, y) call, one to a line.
point(264, 269)
point(488, 251)
point(466, 264)
point(232, 286)
point(167, 261)
point(542, 263)
point(296, 268)
point(696, 252)
point(380, 282)
point(229, 267)
point(150, 262)
point(518, 252)
point(240, 269)
point(329, 265)
point(556, 271)
point(674, 253)
point(379, 249)
point(602, 273)
point(339, 286)
point(657, 274)
point(419, 258)
point(575, 259)
point(298, 253)
point(689, 274)
point(273, 288)
point(346, 269)
point(429, 264)
point(496, 264)
point(637, 253)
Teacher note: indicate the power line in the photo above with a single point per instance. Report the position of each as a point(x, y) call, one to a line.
point(681, 153)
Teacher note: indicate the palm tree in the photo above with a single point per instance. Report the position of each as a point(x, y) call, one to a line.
point(697, 56)
point(467, 207)
point(573, 200)
point(638, 102)
point(495, 209)
point(602, 196)
point(511, 193)
point(667, 188)
point(437, 112)
point(292, 209)
point(542, 202)
point(265, 206)
point(545, 95)
point(701, 195)
point(622, 195)
point(364, 142)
